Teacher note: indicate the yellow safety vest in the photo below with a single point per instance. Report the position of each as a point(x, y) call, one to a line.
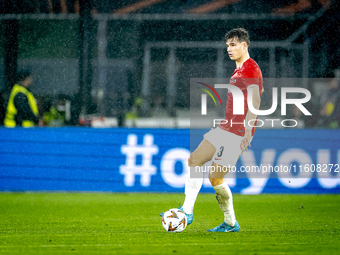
point(12, 111)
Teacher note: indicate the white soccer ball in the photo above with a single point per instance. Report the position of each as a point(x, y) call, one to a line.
point(174, 220)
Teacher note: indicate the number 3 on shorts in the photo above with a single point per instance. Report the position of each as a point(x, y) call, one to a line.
point(219, 154)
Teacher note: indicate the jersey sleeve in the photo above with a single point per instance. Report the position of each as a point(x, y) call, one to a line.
point(253, 76)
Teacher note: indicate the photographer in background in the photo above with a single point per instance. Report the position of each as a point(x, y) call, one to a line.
point(22, 108)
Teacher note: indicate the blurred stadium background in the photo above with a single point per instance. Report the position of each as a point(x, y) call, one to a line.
point(119, 62)
point(128, 63)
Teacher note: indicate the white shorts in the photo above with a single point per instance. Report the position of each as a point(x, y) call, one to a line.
point(227, 146)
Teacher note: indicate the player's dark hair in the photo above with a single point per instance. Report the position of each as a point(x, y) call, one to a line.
point(240, 34)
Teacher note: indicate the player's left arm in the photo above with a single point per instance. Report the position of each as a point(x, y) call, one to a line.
point(251, 116)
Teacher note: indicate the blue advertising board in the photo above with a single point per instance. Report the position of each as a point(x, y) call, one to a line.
point(155, 160)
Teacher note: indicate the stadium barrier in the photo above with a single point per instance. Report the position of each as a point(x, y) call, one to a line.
point(155, 160)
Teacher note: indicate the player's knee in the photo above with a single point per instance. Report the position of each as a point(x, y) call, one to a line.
point(215, 181)
point(194, 161)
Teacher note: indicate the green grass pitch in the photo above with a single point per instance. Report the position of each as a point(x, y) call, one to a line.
point(109, 223)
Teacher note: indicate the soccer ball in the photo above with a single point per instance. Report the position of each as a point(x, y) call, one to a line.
point(174, 220)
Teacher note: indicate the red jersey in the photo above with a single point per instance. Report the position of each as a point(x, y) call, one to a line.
point(247, 74)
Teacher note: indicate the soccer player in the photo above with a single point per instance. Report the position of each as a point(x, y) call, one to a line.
point(224, 144)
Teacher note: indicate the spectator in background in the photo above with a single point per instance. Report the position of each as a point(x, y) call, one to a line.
point(330, 103)
point(21, 108)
